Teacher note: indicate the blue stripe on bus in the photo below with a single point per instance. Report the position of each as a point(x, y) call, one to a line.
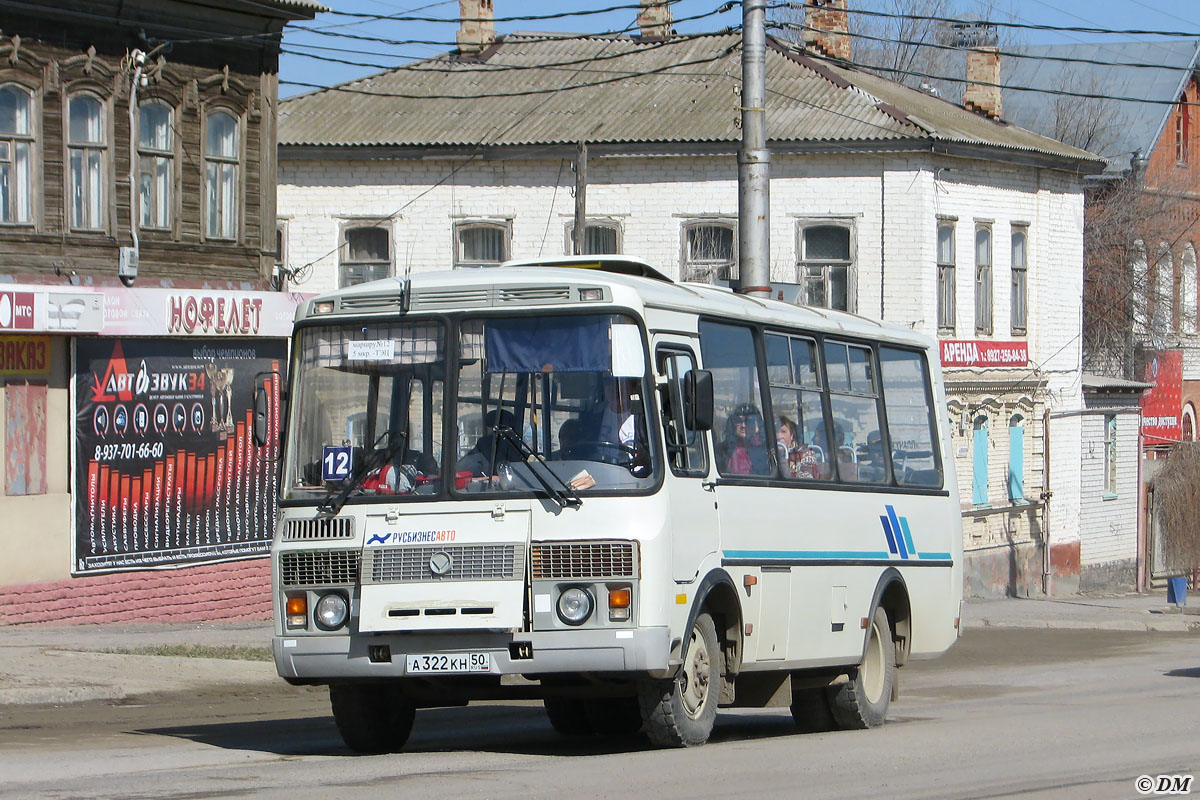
point(935, 556)
point(806, 554)
point(907, 535)
point(891, 510)
point(887, 531)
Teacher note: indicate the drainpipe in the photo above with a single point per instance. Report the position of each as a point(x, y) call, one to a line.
point(129, 268)
point(1047, 575)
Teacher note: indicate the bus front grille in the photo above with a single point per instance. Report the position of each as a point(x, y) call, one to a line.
point(304, 530)
point(462, 562)
point(571, 560)
point(318, 567)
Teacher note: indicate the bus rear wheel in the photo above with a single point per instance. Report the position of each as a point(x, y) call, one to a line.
point(681, 712)
point(371, 718)
point(862, 702)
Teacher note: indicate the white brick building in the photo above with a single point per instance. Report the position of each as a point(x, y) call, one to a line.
point(867, 178)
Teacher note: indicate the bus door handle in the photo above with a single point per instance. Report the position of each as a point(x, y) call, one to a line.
point(709, 486)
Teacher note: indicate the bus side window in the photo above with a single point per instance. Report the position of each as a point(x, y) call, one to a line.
point(912, 428)
point(685, 448)
point(799, 416)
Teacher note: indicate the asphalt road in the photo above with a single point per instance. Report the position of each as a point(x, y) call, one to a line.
point(1007, 713)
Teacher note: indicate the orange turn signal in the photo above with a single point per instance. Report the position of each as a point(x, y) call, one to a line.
point(297, 606)
point(618, 598)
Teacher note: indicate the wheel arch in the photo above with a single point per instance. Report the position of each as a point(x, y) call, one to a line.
point(891, 594)
point(717, 594)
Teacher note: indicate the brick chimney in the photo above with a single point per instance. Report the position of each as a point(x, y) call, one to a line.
point(982, 95)
point(827, 26)
point(475, 30)
point(655, 19)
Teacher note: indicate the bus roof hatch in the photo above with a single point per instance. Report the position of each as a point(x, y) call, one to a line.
point(619, 265)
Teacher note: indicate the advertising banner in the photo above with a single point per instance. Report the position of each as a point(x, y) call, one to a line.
point(1162, 403)
point(983, 353)
point(167, 471)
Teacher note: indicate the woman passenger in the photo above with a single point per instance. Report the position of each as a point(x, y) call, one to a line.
point(796, 459)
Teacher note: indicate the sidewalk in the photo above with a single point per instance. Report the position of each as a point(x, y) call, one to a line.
point(42, 664)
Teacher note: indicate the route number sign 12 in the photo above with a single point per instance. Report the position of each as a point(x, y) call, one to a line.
point(336, 463)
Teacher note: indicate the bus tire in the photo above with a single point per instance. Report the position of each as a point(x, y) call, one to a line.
point(862, 702)
point(372, 719)
point(568, 716)
point(810, 710)
point(681, 712)
point(614, 716)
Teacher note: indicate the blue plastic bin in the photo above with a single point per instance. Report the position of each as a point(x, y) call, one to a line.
point(1177, 591)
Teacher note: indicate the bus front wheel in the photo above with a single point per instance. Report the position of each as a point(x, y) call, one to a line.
point(371, 718)
point(681, 712)
point(862, 702)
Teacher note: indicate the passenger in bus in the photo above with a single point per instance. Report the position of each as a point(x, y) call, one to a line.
point(479, 460)
point(796, 459)
point(745, 445)
point(568, 434)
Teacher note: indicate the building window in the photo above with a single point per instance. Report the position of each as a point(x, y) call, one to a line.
point(1162, 316)
point(599, 238)
point(365, 255)
point(1182, 131)
point(825, 270)
point(1189, 423)
point(1020, 280)
point(1110, 455)
point(1187, 290)
point(87, 149)
point(16, 155)
point(979, 474)
point(155, 159)
point(708, 252)
point(1016, 458)
point(221, 161)
point(983, 281)
point(945, 277)
point(480, 244)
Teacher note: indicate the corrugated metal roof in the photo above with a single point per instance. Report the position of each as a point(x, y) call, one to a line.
point(302, 5)
point(542, 89)
point(1133, 125)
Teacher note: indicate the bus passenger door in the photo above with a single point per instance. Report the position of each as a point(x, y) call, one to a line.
point(693, 510)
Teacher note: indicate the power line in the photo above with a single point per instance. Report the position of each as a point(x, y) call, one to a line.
point(1007, 53)
point(997, 24)
point(523, 93)
point(402, 16)
point(437, 64)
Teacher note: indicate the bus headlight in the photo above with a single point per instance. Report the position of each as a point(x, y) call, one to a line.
point(574, 606)
point(331, 611)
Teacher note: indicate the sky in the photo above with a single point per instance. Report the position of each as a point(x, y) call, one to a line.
point(414, 40)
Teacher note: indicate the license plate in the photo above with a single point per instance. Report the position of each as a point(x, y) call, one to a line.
point(449, 662)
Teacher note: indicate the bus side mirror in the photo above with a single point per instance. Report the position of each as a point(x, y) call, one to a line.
point(698, 400)
point(262, 408)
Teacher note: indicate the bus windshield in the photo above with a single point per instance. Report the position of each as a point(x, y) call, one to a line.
point(560, 394)
point(367, 411)
point(546, 404)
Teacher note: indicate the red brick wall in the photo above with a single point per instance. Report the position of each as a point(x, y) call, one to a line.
point(226, 591)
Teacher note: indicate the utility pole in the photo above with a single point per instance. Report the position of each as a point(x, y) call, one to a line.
point(754, 160)
point(580, 200)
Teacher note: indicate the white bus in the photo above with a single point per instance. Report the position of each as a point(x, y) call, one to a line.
point(633, 499)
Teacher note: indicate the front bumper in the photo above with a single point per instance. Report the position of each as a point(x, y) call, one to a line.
point(321, 658)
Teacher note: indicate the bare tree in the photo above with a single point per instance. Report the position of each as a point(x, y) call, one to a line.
point(1134, 234)
point(1177, 497)
point(920, 53)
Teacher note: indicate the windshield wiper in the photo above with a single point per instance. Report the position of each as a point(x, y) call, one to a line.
point(565, 497)
point(333, 502)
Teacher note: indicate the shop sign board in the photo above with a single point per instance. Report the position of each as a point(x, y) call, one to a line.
point(1162, 403)
point(983, 353)
point(24, 355)
point(167, 472)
